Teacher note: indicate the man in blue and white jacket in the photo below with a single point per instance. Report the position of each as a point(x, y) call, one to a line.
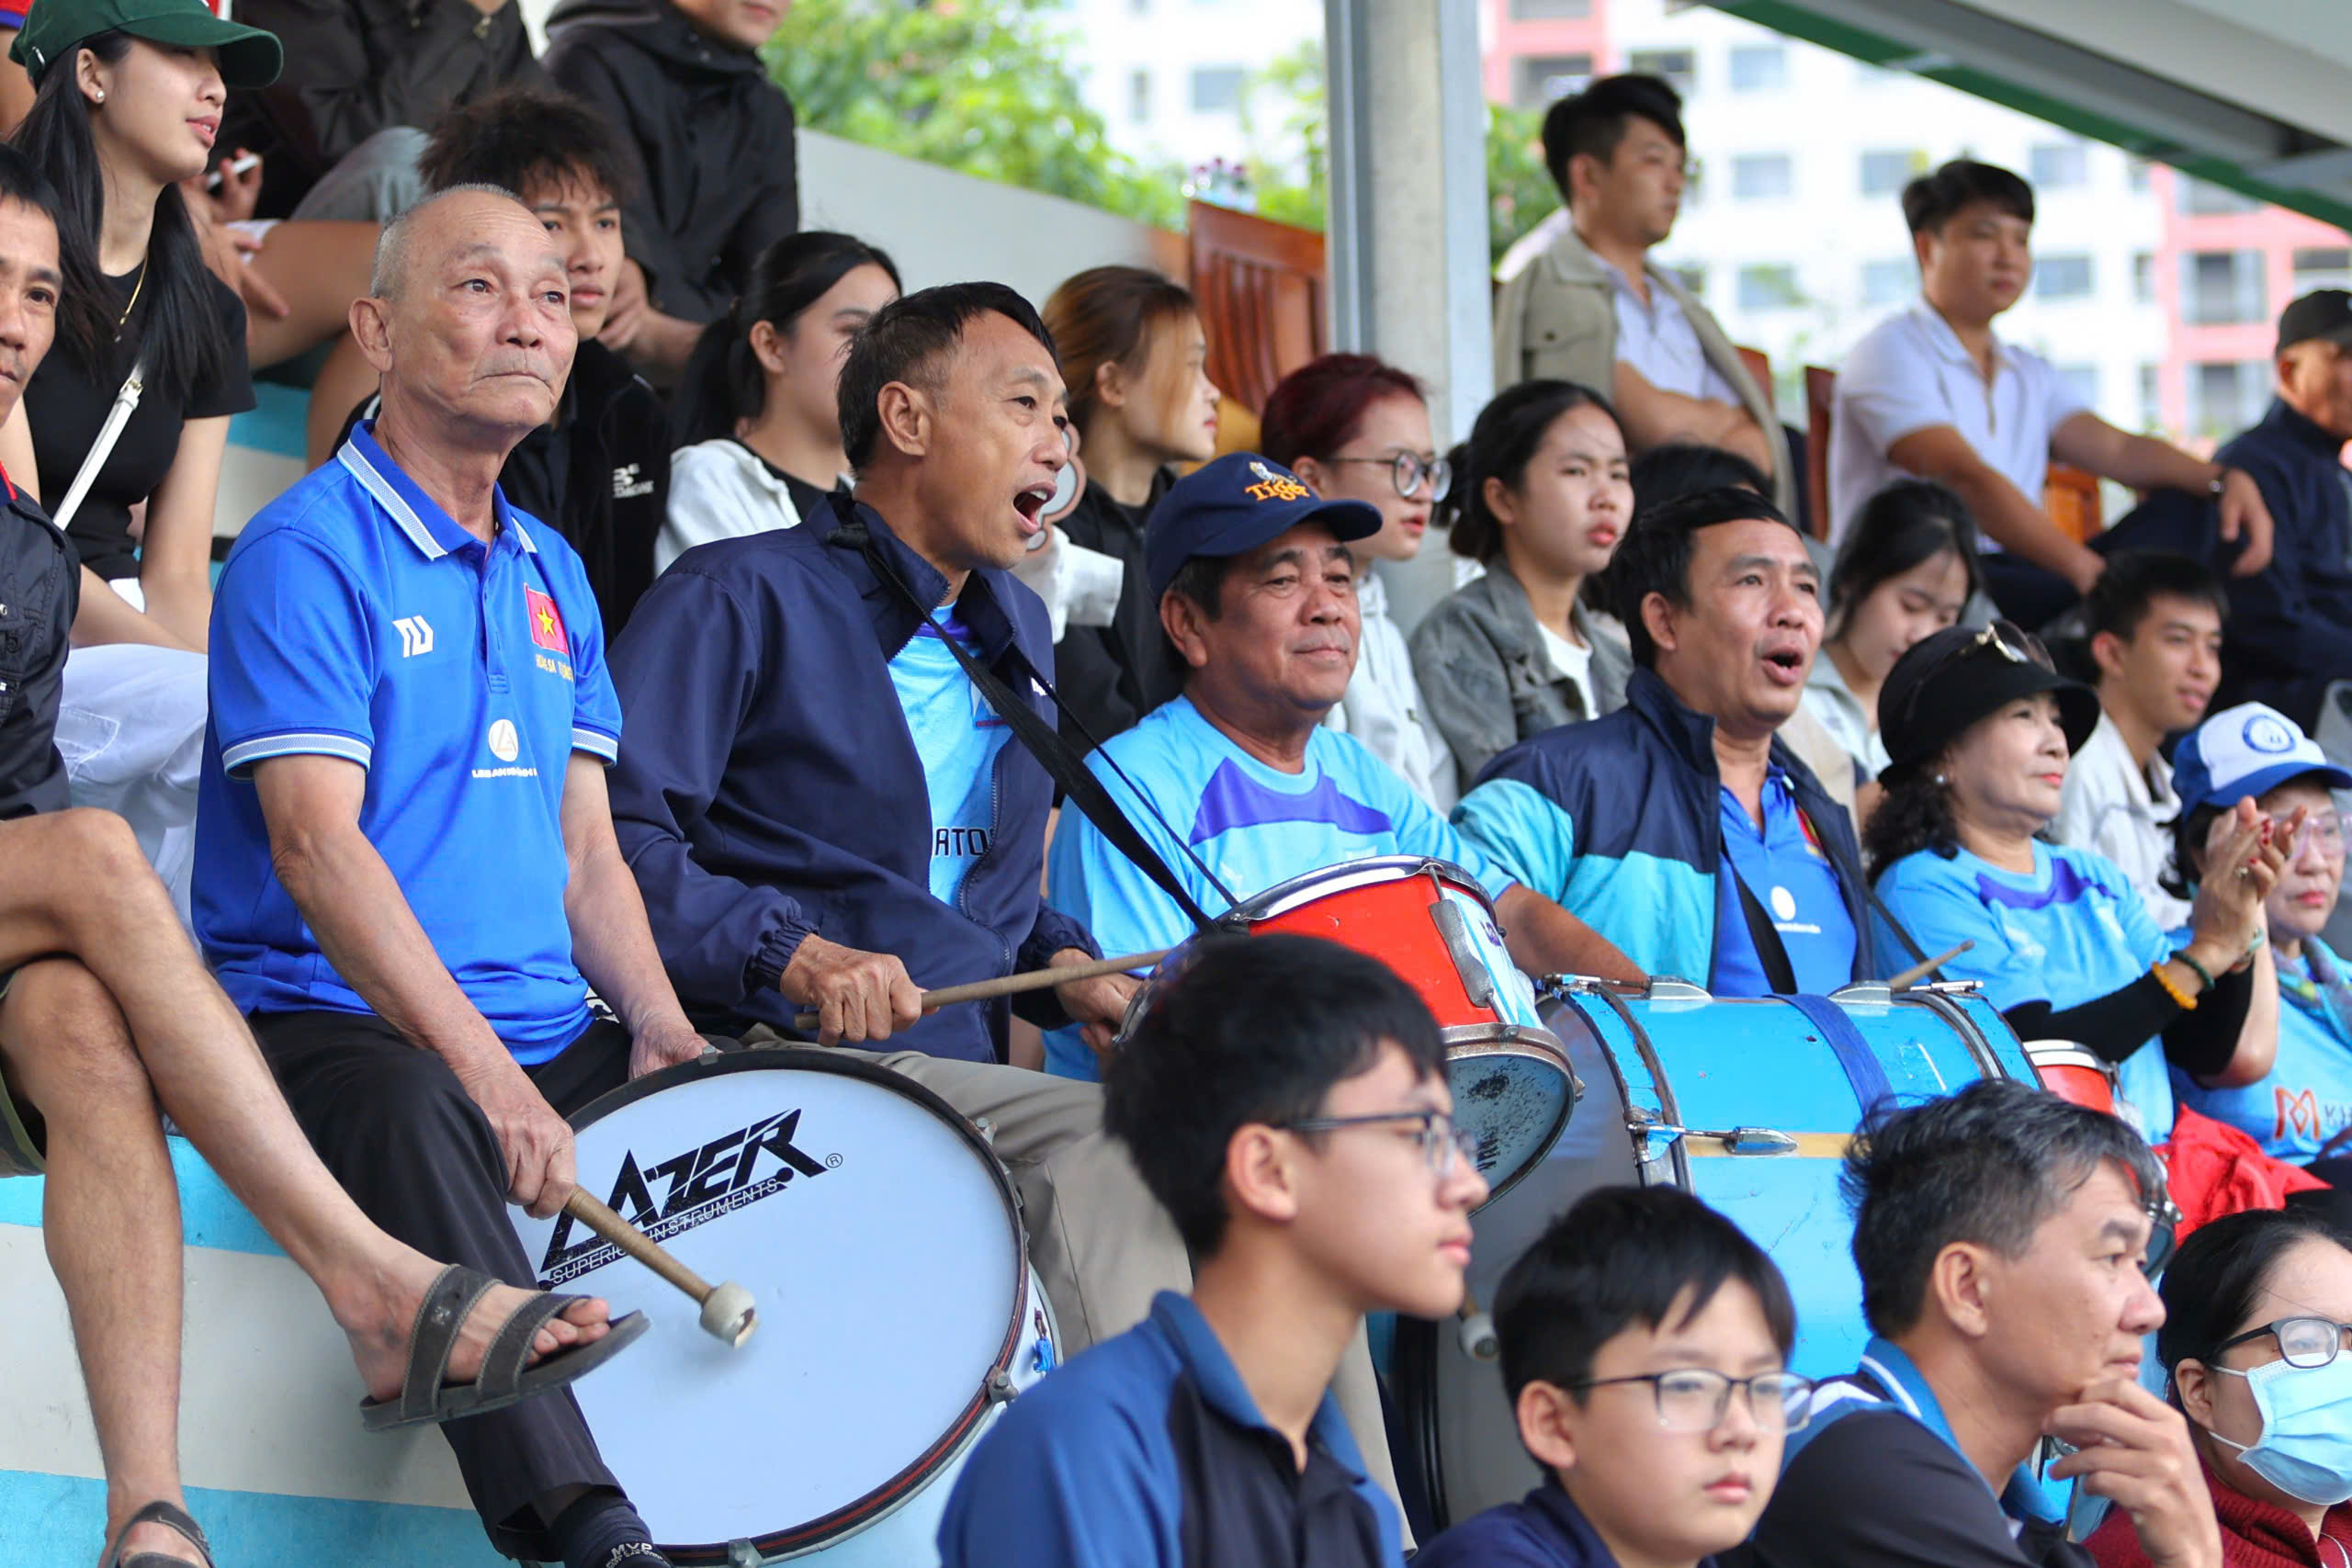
point(1681, 825)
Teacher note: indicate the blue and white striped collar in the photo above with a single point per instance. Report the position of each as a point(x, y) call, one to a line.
point(432, 530)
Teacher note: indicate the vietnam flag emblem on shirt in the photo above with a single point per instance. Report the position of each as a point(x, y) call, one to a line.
point(547, 622)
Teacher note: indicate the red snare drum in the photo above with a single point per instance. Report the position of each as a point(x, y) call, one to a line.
point(1432, 924)
point(2074, 1073)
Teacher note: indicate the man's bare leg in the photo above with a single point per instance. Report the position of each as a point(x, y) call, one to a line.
point(111, 1222)
point(77, 885)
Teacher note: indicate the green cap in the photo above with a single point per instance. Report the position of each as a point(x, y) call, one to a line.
point(249, 57)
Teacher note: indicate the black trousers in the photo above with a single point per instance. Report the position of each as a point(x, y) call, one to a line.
point(2030, 595)
point(396, 1128)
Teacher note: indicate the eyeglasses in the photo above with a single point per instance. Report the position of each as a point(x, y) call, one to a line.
point(1409, 470)
point(2164, 1234)
point(2306, 1342)
point(1442, 1141)
point(1693, 1398)
point(2010, 641)
point(2324, 832)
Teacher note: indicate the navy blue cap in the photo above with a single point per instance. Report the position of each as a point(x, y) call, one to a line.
point(1232, 505)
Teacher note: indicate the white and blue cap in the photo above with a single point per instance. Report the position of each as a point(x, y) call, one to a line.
point(2249, 749)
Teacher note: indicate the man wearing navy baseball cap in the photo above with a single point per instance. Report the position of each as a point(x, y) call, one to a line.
point(1255, 587)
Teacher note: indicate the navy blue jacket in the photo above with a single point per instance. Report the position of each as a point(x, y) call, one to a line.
point(2290, 624)
point(2293, 620)
point(769, 787)
point(1542, 1530)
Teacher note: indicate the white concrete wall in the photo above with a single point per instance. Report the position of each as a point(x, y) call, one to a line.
point(945, 227)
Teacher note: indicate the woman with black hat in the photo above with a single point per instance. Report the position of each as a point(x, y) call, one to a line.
point(1979, 729)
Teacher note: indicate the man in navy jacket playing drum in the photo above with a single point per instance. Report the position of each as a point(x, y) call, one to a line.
point(824, 813)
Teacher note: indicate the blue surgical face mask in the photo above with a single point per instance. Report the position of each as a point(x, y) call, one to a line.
point(2306, 1446)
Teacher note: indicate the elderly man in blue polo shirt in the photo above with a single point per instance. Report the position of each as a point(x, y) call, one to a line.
point(1681, 826)
point(406, 872)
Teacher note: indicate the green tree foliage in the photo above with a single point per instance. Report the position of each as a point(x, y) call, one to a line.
point(978, 86)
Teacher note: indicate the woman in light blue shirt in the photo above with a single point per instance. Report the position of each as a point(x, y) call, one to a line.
point(1979, 729)
point(2300, 1110)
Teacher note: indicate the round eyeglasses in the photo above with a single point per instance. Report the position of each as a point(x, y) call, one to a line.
point(1442, 1141)
point(2305, 1342)
point(1694, 1399)
point(1410, 471)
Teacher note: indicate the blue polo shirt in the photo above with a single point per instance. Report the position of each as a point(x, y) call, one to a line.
point(1783, 866)
point(1254, 826)
point(1148, 1451)
point(356, 619)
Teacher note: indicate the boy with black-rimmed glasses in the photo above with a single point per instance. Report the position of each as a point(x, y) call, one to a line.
point(1644, 1349)
point(1285, 1099)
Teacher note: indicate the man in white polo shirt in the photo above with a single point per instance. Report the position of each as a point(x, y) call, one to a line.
point(1931, 391)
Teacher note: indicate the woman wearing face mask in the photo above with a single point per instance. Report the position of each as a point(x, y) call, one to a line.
point(1539, 499)
point(759, 437)
point(1135, 358)
point(1353, 428)
point(2300, 1109)
point(1905, 569)
point(2256, 1309)
point(1978, 728)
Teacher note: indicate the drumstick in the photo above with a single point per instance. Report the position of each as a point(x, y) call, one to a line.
point(727, 1312)
point(1918, 972)
point(1012, 985)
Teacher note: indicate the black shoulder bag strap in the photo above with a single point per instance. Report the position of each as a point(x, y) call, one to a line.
point(1056, 755)
point(1771, 954)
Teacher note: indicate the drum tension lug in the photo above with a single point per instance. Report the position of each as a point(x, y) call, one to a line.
point(986, 1129)
point(1001, 1389)
point(743, 1554)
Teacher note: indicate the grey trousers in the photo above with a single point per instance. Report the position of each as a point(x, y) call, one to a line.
point(1102, 1245)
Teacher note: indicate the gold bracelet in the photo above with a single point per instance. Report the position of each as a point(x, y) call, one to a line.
point(2185, 1002)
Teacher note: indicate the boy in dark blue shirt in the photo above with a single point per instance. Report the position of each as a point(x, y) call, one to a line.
point(1285, 1099)
point(1644, 1341)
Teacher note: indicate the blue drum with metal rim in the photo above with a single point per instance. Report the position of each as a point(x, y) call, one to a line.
point(1750, 1104)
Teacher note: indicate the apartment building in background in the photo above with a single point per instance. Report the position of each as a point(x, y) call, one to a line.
point(2157, 293)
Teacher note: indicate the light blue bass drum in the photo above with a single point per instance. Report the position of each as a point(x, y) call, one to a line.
point(1748, 1103)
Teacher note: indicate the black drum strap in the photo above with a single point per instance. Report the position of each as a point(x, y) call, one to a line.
point(1041, 740)
point(1771, 954)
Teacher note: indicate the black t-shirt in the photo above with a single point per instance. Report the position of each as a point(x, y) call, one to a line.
point(807, 499)
point(1878, 1490)
point(66, 403)
point(1111, 676)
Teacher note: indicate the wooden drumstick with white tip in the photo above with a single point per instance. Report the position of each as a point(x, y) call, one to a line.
point(728, 1314)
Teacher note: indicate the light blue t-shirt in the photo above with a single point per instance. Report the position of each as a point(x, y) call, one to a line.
point(1792, 879)
point(1253, 824)
point(957, 736)
point(2306, 1098)
point(2071, 932)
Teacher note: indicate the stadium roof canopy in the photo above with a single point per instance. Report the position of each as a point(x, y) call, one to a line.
point(2254, 95)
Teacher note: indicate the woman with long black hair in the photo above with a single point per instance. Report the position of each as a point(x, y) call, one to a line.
point(758, 440)
point(124, 110)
